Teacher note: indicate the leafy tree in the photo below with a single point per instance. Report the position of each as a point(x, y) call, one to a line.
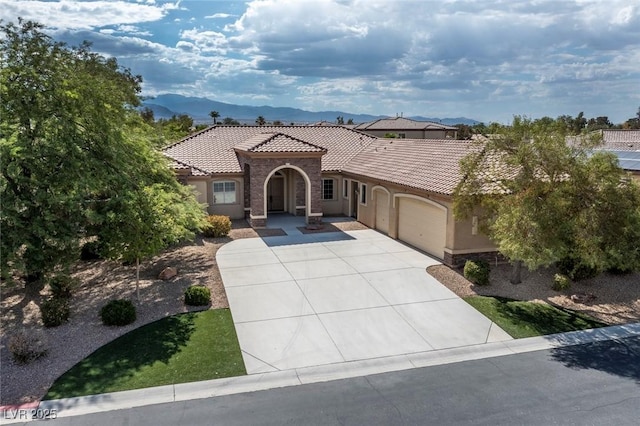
point(176, 127)
point(214, 115)
point(599, 123)
point(632, 123)
point(340, 120)
point(350, 121)
point(260, 121)
point(147, 115)
point(228, 121)
point(277, 123)
point(72, 145)
point(542, 200)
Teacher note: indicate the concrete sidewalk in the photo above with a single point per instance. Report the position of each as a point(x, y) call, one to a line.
point(256, 382)
point(305, 300)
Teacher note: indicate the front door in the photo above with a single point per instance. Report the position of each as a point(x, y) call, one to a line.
point(275, 193)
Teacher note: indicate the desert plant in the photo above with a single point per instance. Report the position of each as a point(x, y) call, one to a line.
point(216, 226)
point(62, 286)
point(118, 312)
point(477, 271)
point(55, 311)
point(561, 282)
point(27, 345)
point(197, 295)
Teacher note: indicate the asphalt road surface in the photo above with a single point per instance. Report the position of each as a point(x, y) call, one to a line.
point(592, 384)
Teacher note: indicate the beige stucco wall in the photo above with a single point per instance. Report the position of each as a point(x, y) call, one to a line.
point(335, 206)
point(204, 186)
point(460, 237)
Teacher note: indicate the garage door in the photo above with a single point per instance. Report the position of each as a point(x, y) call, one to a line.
point(422, 225)
point(382, 211)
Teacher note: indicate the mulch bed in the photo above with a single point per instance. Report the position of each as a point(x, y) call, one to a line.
point(269, 232)
point(327, 227)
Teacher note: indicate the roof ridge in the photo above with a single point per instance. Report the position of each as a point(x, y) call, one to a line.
point(187, 164)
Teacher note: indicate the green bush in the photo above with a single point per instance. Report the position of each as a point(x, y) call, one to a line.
point(27, 345)
point(197, 295)
point(576, 270)
point(55, 312)
point(216, 226)
point(477, 271)
point(118, 312)
point(62, 286)
point(561, 282)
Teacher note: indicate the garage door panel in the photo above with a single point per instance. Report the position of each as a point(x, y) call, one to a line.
point(422, 225)
point(382, 211)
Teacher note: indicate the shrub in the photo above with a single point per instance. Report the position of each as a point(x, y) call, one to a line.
point(561, 282)
point(118, 312)
point(576, 270)
point(55, 312)
point(197, 295)
point(27, 345)
point(91, 251)
point(62, 286)
point(477, 271)
point(216, 226)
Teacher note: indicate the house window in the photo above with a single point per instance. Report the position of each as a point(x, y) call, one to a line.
point(402, 135)
point(327, 189)
point(224, 192)
point(363, 194)
point(345, 188)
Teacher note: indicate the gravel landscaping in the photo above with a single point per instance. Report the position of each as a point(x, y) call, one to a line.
point(614, 299)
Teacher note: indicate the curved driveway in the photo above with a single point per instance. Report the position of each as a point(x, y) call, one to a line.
point(315, 299)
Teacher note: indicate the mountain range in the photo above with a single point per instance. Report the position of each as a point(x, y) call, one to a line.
point(167, 105)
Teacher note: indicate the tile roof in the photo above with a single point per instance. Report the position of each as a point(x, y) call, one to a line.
point(401, 123)
point(627, 140)
point(628, 160)
point(212, 150)
point(277, 142)
point(433, 166)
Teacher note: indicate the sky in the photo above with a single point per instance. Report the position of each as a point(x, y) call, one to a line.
point(487, 59)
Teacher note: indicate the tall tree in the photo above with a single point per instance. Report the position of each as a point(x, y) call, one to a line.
point(542, 200)
point(214, 115)
point(71, 142)
point(260, 121)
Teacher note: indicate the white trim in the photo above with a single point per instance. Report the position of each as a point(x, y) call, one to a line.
point(415, 197)
point(306, 180)
point(315, 214)
point(334, 180)
point(301, 207)
point(257, 217)
point(380, 188)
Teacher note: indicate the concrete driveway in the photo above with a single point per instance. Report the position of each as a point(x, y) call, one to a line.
point(315, 299)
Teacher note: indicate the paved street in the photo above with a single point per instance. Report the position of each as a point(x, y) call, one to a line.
point(592, 384)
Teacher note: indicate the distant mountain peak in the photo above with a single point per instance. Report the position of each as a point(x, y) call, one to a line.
point(168, 104)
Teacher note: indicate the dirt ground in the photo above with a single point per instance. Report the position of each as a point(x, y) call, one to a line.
point(614, 299)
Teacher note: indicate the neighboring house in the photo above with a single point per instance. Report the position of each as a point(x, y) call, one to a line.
point(406, 128)
point(625, 144)
point(402, 187)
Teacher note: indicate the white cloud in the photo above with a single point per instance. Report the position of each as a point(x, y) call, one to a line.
point(67, 14)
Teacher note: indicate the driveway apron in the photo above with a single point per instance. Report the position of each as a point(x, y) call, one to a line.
point(305, 300)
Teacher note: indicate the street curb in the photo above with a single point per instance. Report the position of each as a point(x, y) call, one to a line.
point(256, 382)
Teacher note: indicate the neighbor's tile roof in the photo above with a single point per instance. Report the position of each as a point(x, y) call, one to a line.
point(212, 150)
point(432, 166)
point(627, 140)
point(277, 142)
point(401, 123)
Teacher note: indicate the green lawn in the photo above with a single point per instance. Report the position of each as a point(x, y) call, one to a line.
point(527, 319)
point(178, 349)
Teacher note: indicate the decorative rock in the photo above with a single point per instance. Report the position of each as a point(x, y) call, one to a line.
point(583, 297)
point(168, 273)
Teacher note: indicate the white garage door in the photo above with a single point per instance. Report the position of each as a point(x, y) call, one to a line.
point(382, 211)
point(422, 225)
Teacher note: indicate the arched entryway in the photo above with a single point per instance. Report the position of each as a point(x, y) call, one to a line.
point(287, 189)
